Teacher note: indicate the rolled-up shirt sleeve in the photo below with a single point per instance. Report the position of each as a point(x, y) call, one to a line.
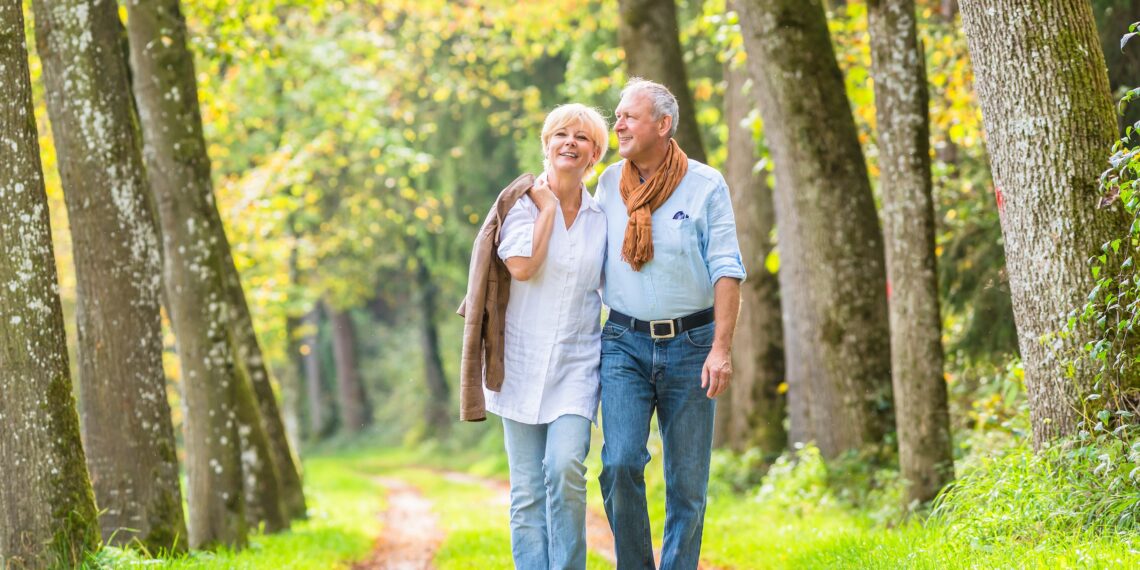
point(518, 230)
point(721, 247)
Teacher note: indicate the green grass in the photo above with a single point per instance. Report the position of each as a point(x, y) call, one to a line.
point(1008, 511)
point(342, 527)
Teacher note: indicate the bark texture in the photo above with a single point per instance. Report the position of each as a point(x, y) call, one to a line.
point(252, 362)
point(648, 34)
point(755, 410)
point(1048, 117)
point(47, 506)
point(355, 411)
point(260, 481)
point(166, 90)
point(195, 291)
point(127, 427)
point(832, 274)
point(902, 104)
point(436, 412)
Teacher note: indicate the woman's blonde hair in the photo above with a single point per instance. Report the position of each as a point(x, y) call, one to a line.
point(578, 114)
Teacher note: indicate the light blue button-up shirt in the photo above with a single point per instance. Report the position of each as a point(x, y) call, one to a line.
point(694, 245)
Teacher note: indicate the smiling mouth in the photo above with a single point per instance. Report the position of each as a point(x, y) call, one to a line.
point(569, 154)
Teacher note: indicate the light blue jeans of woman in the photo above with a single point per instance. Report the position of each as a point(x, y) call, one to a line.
point(548, 492)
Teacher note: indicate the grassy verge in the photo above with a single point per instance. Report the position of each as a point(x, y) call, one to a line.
point(1008, 513)
point(342, 527)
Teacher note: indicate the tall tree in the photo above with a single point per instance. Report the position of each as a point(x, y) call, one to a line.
point(437, 408)
point(355, 410)
point(252, 363)
point(127, 427)
point(754, 414)
point(179, 166)
point(948, 10)
point(47, 506)
point(320, 420)
point(832, 275)
point(1048, 116)
point(902, 103)
point(648, 34)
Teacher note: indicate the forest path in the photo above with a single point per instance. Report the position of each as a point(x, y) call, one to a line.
point(599, 539)
point(411, 533)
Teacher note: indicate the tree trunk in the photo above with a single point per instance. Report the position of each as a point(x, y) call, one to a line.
point(649, 36)
point(319, 419)
point(47, 506)
point(949, 10)
point(902, 104)
point(178, 164)
point(355, 411)
point(291, 374)
point(252, 362)
point(1041, 81)
point(127, 427)
point(832, 275)
point(260, 481)
point(756, 407)
point(438, 406)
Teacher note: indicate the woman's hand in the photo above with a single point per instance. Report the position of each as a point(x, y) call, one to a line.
point(542, 195)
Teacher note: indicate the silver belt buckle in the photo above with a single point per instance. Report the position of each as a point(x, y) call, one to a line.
point(653, 329)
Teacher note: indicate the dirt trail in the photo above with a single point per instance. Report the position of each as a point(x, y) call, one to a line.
point(598, 535)
point(411, 533)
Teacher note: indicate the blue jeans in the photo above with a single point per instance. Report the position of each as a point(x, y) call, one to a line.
point(548, 492)
point(640, 374)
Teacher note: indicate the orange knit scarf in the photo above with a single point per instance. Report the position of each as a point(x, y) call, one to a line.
point(642, 198)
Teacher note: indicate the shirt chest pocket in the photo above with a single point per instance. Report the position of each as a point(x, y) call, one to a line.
point(675, 237)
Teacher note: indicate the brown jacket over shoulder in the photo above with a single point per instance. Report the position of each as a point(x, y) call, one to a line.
point(484, 309)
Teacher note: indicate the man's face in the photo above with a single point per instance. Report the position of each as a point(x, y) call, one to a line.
point(638, 134)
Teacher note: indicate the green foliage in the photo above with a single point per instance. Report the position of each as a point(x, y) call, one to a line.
point(1018, 495)
point(1011, 509)
point(1109, 317)
point(988, 397)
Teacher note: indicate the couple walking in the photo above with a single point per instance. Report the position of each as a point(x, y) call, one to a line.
point(658, 242)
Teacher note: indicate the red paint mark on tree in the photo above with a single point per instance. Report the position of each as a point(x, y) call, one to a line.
point(889, 288)
point(1000, 199)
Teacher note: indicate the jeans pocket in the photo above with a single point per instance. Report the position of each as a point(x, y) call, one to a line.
point(701, 337)
point(613, 332)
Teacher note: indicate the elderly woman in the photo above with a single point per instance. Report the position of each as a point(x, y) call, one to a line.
point(553, 243)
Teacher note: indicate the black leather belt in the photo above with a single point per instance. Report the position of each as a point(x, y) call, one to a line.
point(667, 328)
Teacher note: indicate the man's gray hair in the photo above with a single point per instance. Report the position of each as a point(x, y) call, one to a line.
point(664, 103)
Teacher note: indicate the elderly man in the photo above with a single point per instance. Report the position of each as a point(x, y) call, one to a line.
point(672, 283)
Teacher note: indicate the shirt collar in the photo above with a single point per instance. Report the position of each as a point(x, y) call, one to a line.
point(588, 201)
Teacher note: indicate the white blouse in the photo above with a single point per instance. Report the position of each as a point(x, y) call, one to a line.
point(553, 328)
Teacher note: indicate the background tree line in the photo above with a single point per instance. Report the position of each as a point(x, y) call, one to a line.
point(291, 189)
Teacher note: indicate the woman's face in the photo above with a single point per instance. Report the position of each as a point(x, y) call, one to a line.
point(570, 149)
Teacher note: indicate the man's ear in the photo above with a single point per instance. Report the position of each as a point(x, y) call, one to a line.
point(666, 125)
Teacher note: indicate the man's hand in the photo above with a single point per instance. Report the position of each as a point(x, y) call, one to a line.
point(717, 372)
